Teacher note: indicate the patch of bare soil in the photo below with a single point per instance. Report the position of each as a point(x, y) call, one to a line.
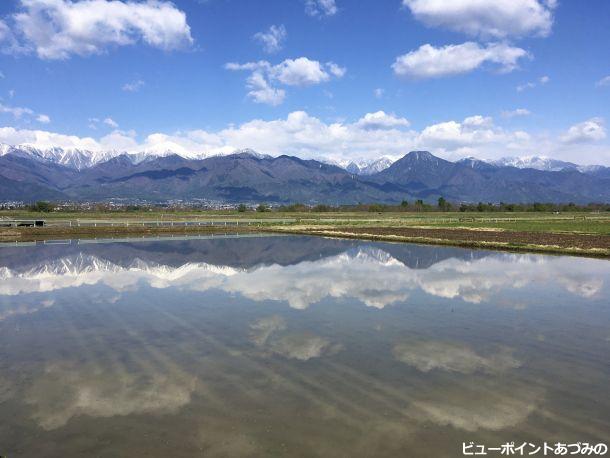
point(582, 241)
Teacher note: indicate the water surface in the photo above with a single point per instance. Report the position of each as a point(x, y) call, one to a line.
point(297, 346)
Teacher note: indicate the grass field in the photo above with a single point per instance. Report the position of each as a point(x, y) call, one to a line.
point(587, 223)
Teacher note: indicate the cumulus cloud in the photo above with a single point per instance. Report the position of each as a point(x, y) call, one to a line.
point(430, 62)
point(58, 29)
point(302, 135)
point(321, 8)
point(290, 72)
point(260, 91)
point(273, 39)
point(590, 130)
point(381, 120)
point(300, 72)
point(487, 18)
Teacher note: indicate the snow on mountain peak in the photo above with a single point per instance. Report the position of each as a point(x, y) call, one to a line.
point(534, 162)
point(365, 166)
point(81, 159)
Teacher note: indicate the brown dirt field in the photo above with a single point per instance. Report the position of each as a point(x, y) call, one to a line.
point(534, 242)
point(534, 238)
point(28, 234)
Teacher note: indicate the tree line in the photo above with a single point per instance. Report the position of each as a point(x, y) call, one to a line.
point(442, 205)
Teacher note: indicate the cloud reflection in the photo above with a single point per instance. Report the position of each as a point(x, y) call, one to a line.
point(492, 404)
point(271, 333)
point(67, 390)
point(454, 357)
point(367, 274)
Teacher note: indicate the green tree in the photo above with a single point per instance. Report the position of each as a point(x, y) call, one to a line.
point(42, 206)
point(442, 203)
point(262, 208)
point(241, 208)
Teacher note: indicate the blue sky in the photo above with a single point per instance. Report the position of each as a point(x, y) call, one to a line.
point(338, 79)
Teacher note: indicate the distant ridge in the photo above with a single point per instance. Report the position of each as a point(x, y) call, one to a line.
point(28, 174)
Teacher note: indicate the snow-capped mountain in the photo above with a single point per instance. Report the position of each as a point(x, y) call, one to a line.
point(543, 163)
point(476, 164)
point(74, 158)
point(534, 162)
point(28, 175)
point(367, 166)
point(79, 159)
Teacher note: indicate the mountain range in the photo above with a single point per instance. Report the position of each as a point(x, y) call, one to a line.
point(28, 174)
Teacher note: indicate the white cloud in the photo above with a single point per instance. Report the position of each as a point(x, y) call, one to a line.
point(321, 7)
point(111, 122)
point(478, 121)
point(336, 70)
point(306, 136)
point(378, 92)
point(262, 92)
point(23, 112)
point(290, 72)
point(524, 86)
point(58, 29)
point(590, 130)
point(273, 39)
point(8, 41)
point(302, 72)
point(381, 120)
point(430, 62)
point(17, 112)
point(605, 81)
point(516, 112)
point(44, 139)
point(532, 84)
point(133, 86)
point(487, 18)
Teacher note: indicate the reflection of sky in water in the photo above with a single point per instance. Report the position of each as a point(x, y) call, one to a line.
point(298, 346)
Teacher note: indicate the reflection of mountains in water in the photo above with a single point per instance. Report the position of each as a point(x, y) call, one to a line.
point(246, 253)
